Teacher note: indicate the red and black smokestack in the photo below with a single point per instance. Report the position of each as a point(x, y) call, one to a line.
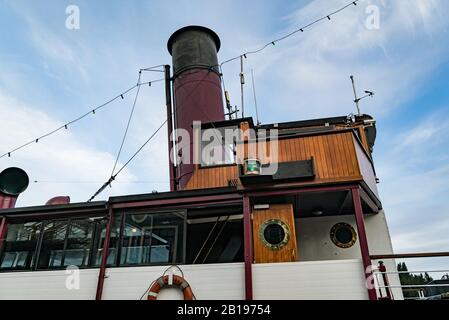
point(197, 83)
point(13, 181)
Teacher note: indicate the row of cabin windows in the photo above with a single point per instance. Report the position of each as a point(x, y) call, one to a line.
point(136, 239)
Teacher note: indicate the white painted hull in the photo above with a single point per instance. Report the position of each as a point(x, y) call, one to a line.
point(340, 280)
point(324, 271)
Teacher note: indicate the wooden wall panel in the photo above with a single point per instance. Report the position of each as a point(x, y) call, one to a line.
point(263, 254)
point(334, 156)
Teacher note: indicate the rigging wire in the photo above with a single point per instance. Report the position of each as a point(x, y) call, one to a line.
point(66, 125)
point(255, 97)
point(113, 177)
point(125, 134)
point(92, 182)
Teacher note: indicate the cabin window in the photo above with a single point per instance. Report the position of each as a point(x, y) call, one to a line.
point(52, 244)
point(65, 243)
point(100, 236)
point(152, 238)
point(137, 238)
point(215, 240)
point(218, 146)
point(20, 246)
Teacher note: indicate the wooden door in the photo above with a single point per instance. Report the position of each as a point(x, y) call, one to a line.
point(274, 234)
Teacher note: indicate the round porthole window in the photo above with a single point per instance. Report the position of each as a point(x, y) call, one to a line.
point(343, 235)
point(275, 234)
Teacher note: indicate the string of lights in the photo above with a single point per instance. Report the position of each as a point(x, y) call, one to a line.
point(68, 124)
point(300, 29)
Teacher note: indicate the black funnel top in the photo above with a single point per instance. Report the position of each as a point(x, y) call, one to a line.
point(194, 47)
point(13, 181)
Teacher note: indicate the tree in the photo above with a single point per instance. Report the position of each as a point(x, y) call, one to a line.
point(408, 279)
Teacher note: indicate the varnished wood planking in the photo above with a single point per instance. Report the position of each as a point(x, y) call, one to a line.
point(263, 254)
point(334, 155)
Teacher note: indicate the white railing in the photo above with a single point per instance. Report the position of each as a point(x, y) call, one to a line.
point(385, 289)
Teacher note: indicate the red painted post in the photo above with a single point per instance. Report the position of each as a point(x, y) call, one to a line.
point(248, 243)
point(3, 231)
point(363, 241)
point(104, 258)
point(383, 269)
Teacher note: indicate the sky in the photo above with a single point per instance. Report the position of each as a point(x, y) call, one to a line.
point(50, 74)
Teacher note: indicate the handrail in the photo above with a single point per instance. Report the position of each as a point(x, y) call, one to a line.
point(401, 272)
point(383, 285)
point(415, 286)
point(409, 255)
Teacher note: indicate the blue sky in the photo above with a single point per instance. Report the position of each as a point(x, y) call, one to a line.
point(49, 75)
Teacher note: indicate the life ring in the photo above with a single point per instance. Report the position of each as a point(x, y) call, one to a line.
point(169, 281)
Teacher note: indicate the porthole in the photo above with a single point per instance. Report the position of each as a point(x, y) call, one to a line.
point(275, 234)
point(343, 235)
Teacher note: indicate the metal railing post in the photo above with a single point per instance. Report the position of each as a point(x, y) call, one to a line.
point(383, 270)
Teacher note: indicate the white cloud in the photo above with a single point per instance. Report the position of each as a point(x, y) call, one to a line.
point(414, 175)
point(429, 133)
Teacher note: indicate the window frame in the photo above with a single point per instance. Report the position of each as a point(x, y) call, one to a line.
point(203, 164)
point(138, 211)
point(96, 238)
point(36, 254)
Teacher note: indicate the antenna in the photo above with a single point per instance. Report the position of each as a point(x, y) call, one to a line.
point(242, 82)
point(231, 111)
point(356, 99)
point(255, 97)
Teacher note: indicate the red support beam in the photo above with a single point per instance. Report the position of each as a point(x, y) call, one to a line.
point(178, 201)
point(299, 190)
point(248, 243)
point(3, 231)
point(363, 241)
point(104, 258)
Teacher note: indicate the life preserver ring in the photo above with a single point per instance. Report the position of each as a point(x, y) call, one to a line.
point(170, 281)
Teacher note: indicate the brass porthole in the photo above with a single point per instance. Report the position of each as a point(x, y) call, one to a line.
point(275, 234)
point(343, 235)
